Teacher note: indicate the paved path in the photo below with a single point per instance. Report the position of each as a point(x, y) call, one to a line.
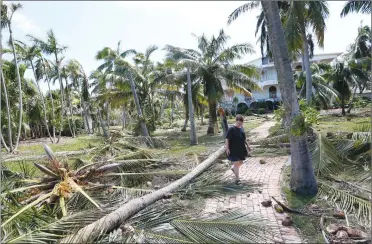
point(269, 176)
point(261, 131)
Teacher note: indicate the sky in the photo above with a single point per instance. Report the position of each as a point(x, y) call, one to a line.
point(86, 27)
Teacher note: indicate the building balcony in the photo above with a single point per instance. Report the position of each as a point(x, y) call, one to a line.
point(267, 82)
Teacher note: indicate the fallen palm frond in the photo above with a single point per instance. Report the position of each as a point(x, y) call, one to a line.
point(328, 162)
point(349, 203)
point(233, 227)
point(61, 186)
point(212, 184)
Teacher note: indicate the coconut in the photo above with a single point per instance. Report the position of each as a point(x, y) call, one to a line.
point(287, 221)
point(278, 208)
point(354, 232)
point(341, 234)
point(332, 228)
point(266, 203)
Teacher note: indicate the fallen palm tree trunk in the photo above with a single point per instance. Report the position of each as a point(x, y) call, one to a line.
point(113, 220)
point(27, 158)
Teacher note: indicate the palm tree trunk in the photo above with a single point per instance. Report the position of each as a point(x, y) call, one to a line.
point(108, 114)
point(10, 138)
point(53, 112)
point(343, 107)
point(101, 122)
point(212, 116)
point(172, 109)
point(193, 138)
point(145, 132)
point(309, 80)
point(42, 101)
point(302, 176)
point(352, 100)
point(68, 114)
point(62, 94)
point(19, 87)
point(1, 128)
point(202, 114)
point(81, 107)
point(4, 143)
point(164, 104)
point(68, 98)
point(124, 118)
point(86, 118)
point(107, 223)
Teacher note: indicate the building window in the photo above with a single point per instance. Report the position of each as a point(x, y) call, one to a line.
point(272, 92)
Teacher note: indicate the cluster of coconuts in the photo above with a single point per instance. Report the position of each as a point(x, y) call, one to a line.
point(343, 232)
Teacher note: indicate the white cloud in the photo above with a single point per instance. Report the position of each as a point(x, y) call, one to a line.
point(25, 24)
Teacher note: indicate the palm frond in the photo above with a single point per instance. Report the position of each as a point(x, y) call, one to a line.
point(363, 7)
point(349, 203)
point(328, 161)
point(242, 9)
point(224, 229)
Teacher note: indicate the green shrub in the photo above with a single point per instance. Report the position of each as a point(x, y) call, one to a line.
point(206, 116)
point(248, 113)
point(65, 128)
point(79, 125)
point(279, 114)
point(261, 104)
point(261, 111)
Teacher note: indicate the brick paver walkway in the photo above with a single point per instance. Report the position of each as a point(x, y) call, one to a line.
point(268, 175)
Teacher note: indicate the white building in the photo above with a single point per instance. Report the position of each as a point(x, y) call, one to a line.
point(268, 81)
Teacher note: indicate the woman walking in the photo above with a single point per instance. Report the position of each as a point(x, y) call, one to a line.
point(236, 145)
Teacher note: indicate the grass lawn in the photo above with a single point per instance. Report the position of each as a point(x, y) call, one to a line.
point(340, 124)
point(178, 141)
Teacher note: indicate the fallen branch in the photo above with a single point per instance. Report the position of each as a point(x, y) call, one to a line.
point(107, 223)
point(287, 209)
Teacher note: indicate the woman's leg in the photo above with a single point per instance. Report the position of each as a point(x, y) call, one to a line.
point(235, 168)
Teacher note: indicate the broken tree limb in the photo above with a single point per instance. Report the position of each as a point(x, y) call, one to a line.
point(107, 223)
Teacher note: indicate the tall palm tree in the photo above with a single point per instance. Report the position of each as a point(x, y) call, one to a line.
point(81, 82)
point(212, 64)
point(324, 95)
point(64, 74)
point(7, 20)
point(363, 7)
point(300, 16)
point(29, 54)
point(43, 70)
point(52, 47)
point(7, 106)
point(341, 77)
point(193, 138)
point(302, 176)
point(120, 69)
